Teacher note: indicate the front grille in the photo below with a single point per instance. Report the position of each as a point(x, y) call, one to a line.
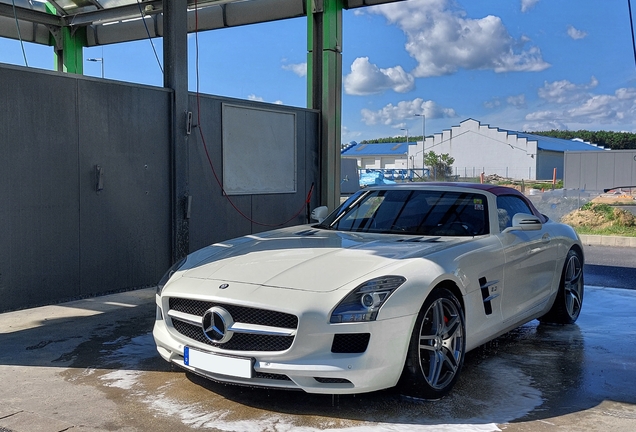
point(239, 341)
point(242, 314)
point(350, 343)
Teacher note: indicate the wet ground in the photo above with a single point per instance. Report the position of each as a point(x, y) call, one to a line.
point(91, 365)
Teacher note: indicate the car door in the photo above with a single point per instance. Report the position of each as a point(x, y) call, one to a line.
point(530, 261)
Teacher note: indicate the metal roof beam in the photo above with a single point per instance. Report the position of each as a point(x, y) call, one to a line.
point(30, 15)
point(132, 10)
point(60, 10)
point(113, 14)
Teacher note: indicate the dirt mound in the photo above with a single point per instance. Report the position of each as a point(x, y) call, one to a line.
point(599, 215)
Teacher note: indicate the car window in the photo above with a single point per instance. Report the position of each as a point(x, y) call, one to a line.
point(415, 211)
point(507, 207)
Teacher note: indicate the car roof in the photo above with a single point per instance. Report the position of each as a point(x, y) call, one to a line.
point(493, 189)
point(496, 190)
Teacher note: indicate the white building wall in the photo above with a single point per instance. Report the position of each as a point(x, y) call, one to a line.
point(381, 162)
point(479, 148)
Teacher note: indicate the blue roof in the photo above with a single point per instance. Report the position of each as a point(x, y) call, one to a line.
point(556, 144)
point(381, 149)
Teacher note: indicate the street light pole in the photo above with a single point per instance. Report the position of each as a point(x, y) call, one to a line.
point(98, 59)
point(407, 146)
point(423, 127)
point(423, 139)
point(407, 134)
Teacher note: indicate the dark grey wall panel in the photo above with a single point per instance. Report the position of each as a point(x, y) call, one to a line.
point(62, 237)
point(546, 162)
point(125, 228)
point(39, 212)
point(600, 170)
point(571, 170)
point(624, 168)
point(214, 216)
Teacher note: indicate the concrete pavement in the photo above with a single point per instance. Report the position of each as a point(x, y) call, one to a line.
point(91, 365)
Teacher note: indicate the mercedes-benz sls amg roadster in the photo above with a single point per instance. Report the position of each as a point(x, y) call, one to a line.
point(390, 289)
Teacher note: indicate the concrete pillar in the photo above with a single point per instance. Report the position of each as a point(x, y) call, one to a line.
point(175, 77)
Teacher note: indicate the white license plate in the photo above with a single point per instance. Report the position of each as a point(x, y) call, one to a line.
point(218, 364)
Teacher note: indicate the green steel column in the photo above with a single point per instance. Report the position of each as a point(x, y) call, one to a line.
point(324, 89)
point(68, 47)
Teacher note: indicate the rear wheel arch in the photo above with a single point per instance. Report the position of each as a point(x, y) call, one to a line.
point(579, 250)
point(569, 297)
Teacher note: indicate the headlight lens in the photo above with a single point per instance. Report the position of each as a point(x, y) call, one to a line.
point(166, 277)
point(363, 303)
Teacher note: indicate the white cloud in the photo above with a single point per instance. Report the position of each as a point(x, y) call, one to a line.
point(394, 115)
point(493, 103)
point(349, 135)
point(566, 92)
point(255, 98)
point(299, 69)
point(626, 93)
point(598, 108)
point(541, 115)
point(366, 78)
point(518, 101)
point(527, 5)
point(576, 34)
point(443, 40)
point(572, 104)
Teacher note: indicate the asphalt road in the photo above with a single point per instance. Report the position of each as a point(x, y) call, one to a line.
point(607, 266)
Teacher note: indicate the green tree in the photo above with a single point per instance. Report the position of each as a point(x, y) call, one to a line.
point(608, 139)
point(440, 165)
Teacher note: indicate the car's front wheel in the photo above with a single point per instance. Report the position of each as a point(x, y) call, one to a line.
point(569, 299)
point(436, 350)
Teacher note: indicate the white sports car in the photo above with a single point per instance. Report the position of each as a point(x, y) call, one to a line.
point(392, 288)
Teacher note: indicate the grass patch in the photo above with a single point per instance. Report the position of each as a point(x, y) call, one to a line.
point(601, 219)
point(610, 231)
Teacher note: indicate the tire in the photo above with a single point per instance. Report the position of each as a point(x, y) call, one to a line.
point(436, 349)
point(569, 299)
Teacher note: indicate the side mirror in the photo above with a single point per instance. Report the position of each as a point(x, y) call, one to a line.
point(319, 213)
point(524, 222)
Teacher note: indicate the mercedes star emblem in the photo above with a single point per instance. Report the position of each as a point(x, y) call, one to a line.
point(217, 324)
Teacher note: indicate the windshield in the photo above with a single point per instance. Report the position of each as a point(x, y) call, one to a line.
point(416, 212)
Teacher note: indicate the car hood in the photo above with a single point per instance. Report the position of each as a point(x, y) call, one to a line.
point(308, 259)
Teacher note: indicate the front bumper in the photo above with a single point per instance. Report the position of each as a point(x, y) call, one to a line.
point(309, 363)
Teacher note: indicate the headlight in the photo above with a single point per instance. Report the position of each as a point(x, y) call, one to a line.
point(363, 303)
point(166, 277)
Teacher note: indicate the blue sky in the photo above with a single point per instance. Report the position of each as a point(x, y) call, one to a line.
point(522, 65)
